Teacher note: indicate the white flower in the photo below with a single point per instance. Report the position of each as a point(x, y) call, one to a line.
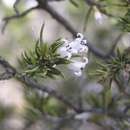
point(85, 60)
point(79, 45)
point(82, 48)
point(77, 66)
point(98, 17)
point(79, 35)
point(64, 53)
point(76, 42)
point(78, 73)
point(54, 66)
point(63, 49)
point(70, 48)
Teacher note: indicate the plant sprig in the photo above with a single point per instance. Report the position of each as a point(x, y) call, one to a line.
point(124, 22)
point(113, 67)
point(43, 59)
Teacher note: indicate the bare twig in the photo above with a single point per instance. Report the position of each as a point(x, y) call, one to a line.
point(41, 33)
point(111, 51)
point(9, 18)
point(6, 75)
point(106, 13)
point(121, 88)
point(87, 18)
point(15, 7)
point(97, 4)
point(59, 18)
point(93, 3)
point(9, 70)
point(34, 85)
point(7, 66)
point(100, 7)
point(67, 25)
point(45, 6)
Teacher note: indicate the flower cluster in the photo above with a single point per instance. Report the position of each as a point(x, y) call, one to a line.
point(75, 51)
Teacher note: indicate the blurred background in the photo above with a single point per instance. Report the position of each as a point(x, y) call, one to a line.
point(21, 34)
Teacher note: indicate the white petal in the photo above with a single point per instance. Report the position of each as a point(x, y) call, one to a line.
point(54, 66)
point(77, 47)
point(73, 51)
point(76, 41)
point(84, 42)
point(77, 66)
point(61, 50)
point(64, 53)
point(85, 60)
point(98, 17)
point(80, 35)
point(78, 73)
point(83, 49)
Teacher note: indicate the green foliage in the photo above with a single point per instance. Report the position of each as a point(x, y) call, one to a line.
point(38, 104)
point(114, 70)
point(43, 59)
point(103, 100)
point(113, 67)
point(107, 104)
point(73, 2)
point(119, 10)
point(124, 22)
point(54, 107)
point(33, 109)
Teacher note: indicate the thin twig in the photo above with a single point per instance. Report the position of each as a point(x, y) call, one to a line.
point(9, 18)
point(8, 68)
point(121, 88)
point(111, 51)
point(34, 85)
point(106, 13)
point(93, 3)
point(67, 25)
point(41, 33)
point(44, 5)
point(59, 18)
point(15, 7)
point(6, 75)
point(87, 18)
point(100, 7)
